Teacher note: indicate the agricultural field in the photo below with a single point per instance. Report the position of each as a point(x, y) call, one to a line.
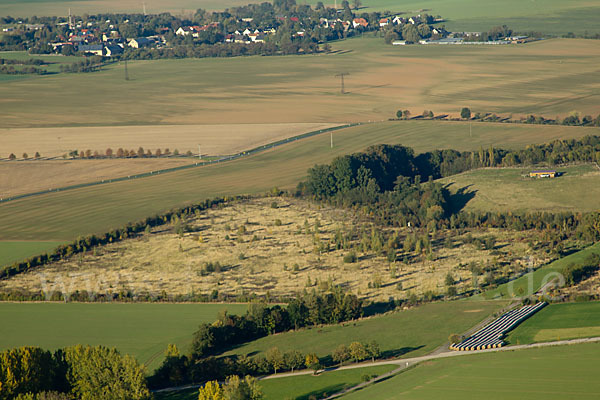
point(280, 246)
point(11, 251)
point(299, 387)
point(26, 177)
point(555, 77)
point(52, 66)
point(21, 177)
point(412, 333)
point(214, 140)
point(548, 16)
point(559, 322)
point(143, 330)
point(59, 216)
point(538, 374)
point(303, 387)
point(511, 189)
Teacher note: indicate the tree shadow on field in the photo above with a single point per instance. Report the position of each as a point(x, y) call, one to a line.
point(399, 352)
point(379, 307)
point(460, 198)
point(321, 393)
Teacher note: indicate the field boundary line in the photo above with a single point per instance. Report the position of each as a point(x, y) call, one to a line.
point(232, 157)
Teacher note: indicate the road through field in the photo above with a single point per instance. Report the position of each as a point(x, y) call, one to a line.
point(404, 364)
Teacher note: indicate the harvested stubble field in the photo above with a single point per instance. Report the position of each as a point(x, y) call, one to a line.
point(214, 140)
point(549, 77)
point(278, 251)
point(510, 189)
point(20, 177)
point(548, 16)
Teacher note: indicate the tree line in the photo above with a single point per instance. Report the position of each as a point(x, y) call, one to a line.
point(11, 70)
point(573, 119)
point(82, 372)
point(84, 244)
point(210, 340)
point(88, 64)
point(261, 320)
point(27, 61)
point(124, 153)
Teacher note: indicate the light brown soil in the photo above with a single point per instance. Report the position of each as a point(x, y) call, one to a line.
point(212, 139)
point(19, 177)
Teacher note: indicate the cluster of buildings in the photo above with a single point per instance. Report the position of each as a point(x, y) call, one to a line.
point(107, 46)
point(468, 39)
point(84, 38)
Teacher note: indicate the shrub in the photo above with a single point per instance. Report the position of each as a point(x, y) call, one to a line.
point(350, 258)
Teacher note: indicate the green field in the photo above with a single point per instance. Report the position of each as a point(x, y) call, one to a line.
point(559, 322)
point(299, 387)
point(510, 189)
point(531, 282)
point(552, 77)
point(411, 332)
point(53, 61)
point(565, 372)
point(12, 251)
point(549, 16)
point(142, 330)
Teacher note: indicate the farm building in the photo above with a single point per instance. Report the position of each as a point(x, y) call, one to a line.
point(543, 174)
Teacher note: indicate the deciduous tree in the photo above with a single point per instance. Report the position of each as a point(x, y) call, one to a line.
point(211, 391)
point(465, 113)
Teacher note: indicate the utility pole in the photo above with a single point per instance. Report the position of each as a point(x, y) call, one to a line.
point(470, 129)
point(199, 153)
point(331, 137)
point(126, 72)
point(342, 77)
point(144, 7)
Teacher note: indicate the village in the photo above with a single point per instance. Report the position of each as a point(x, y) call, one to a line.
point(111, 37)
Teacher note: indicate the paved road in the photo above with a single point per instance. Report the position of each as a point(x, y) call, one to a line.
point(406, 362)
